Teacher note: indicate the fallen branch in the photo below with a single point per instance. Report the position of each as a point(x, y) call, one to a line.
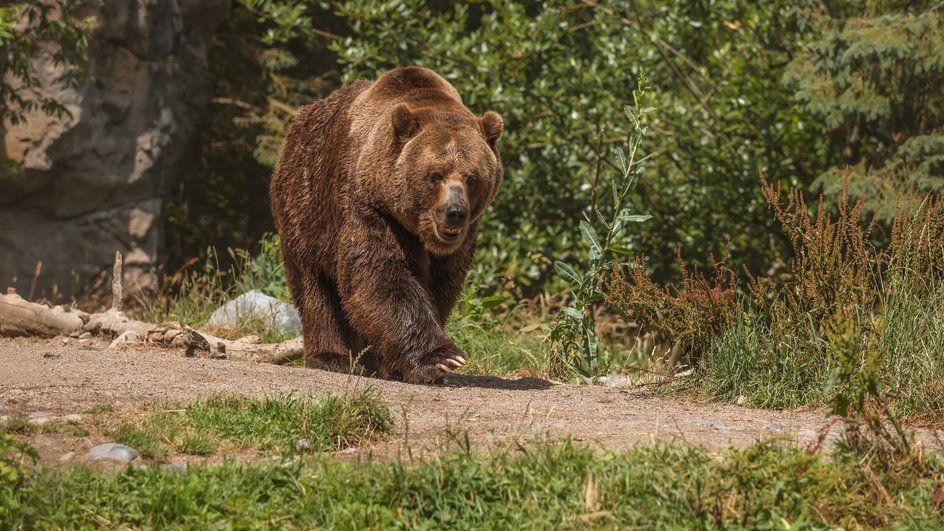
point(249, 349)
point(19, 317)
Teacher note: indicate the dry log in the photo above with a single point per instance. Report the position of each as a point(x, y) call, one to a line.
point(249, 349)
point(19, 317)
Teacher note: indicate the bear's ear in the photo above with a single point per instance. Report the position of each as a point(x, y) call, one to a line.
point(492, 126)
point(405, 123)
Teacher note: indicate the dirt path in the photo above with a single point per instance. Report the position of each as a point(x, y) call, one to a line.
point(58, 378)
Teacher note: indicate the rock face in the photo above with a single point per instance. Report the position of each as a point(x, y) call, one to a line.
point(95, 181)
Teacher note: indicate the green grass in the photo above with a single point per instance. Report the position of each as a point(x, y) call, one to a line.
point(202, 291)
point(786, 360)
point(272, 424)
point(493, 349)
point(100, 409)
point(145, 440)
point(561, 485)
point(18, 424)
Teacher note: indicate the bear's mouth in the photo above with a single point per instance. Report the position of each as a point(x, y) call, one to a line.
point(448, 235)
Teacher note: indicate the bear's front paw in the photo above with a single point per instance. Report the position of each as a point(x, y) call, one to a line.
point(434, 366)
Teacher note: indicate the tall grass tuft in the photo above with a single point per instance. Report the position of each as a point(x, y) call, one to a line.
point(856, 327)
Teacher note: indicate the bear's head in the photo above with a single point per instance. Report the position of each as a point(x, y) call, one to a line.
point(447, 172)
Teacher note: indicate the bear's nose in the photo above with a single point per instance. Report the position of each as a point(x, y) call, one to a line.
point(456, 214)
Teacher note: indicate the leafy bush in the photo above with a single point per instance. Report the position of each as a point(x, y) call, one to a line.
point(873, 78)
point(557, 72)
point(691, 315)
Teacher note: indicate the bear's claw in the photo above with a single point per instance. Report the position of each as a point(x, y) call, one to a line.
point(437, 365)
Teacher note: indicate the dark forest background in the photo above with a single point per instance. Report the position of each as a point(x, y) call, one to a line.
point(809, 91)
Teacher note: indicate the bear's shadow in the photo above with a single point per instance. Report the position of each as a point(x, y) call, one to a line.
point(494, 382)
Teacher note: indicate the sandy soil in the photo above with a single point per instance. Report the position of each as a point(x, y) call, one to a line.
point(66, 378)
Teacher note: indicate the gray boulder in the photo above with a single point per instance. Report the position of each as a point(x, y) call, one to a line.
point(280, 316)
point(112, 452)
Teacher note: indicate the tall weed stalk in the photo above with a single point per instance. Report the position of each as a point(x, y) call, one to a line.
point(575, 346)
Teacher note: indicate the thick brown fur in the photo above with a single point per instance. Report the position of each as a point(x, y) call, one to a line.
point(377, 197)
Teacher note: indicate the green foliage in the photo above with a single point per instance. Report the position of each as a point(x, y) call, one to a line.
point(557, 72)
point(768, 485)
point(14, 456)
point(874, 80)
point(330, 422)
point(575, 345)
point(31, 28)
point(739, 85)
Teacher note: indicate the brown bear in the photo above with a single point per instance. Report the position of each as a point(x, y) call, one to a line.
point(377, 197)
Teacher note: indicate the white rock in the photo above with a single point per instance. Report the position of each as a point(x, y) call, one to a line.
point(281, 316)
point(112, 451)
point(741, 400)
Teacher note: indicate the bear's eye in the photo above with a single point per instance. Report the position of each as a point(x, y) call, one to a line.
point(435, 177)
point(472, 179)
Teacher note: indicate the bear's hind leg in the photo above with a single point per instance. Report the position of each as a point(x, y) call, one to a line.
point(327, 336)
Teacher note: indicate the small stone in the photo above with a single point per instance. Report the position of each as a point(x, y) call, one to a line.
point(65, 341)
point(723, 426)
point(125, 338)
point(66, 457)
point(741, 400)
point(115, 452)
point(302, 445)
point(72, 417)
point(776, 427)
point(85, 335)
point(616, 380)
